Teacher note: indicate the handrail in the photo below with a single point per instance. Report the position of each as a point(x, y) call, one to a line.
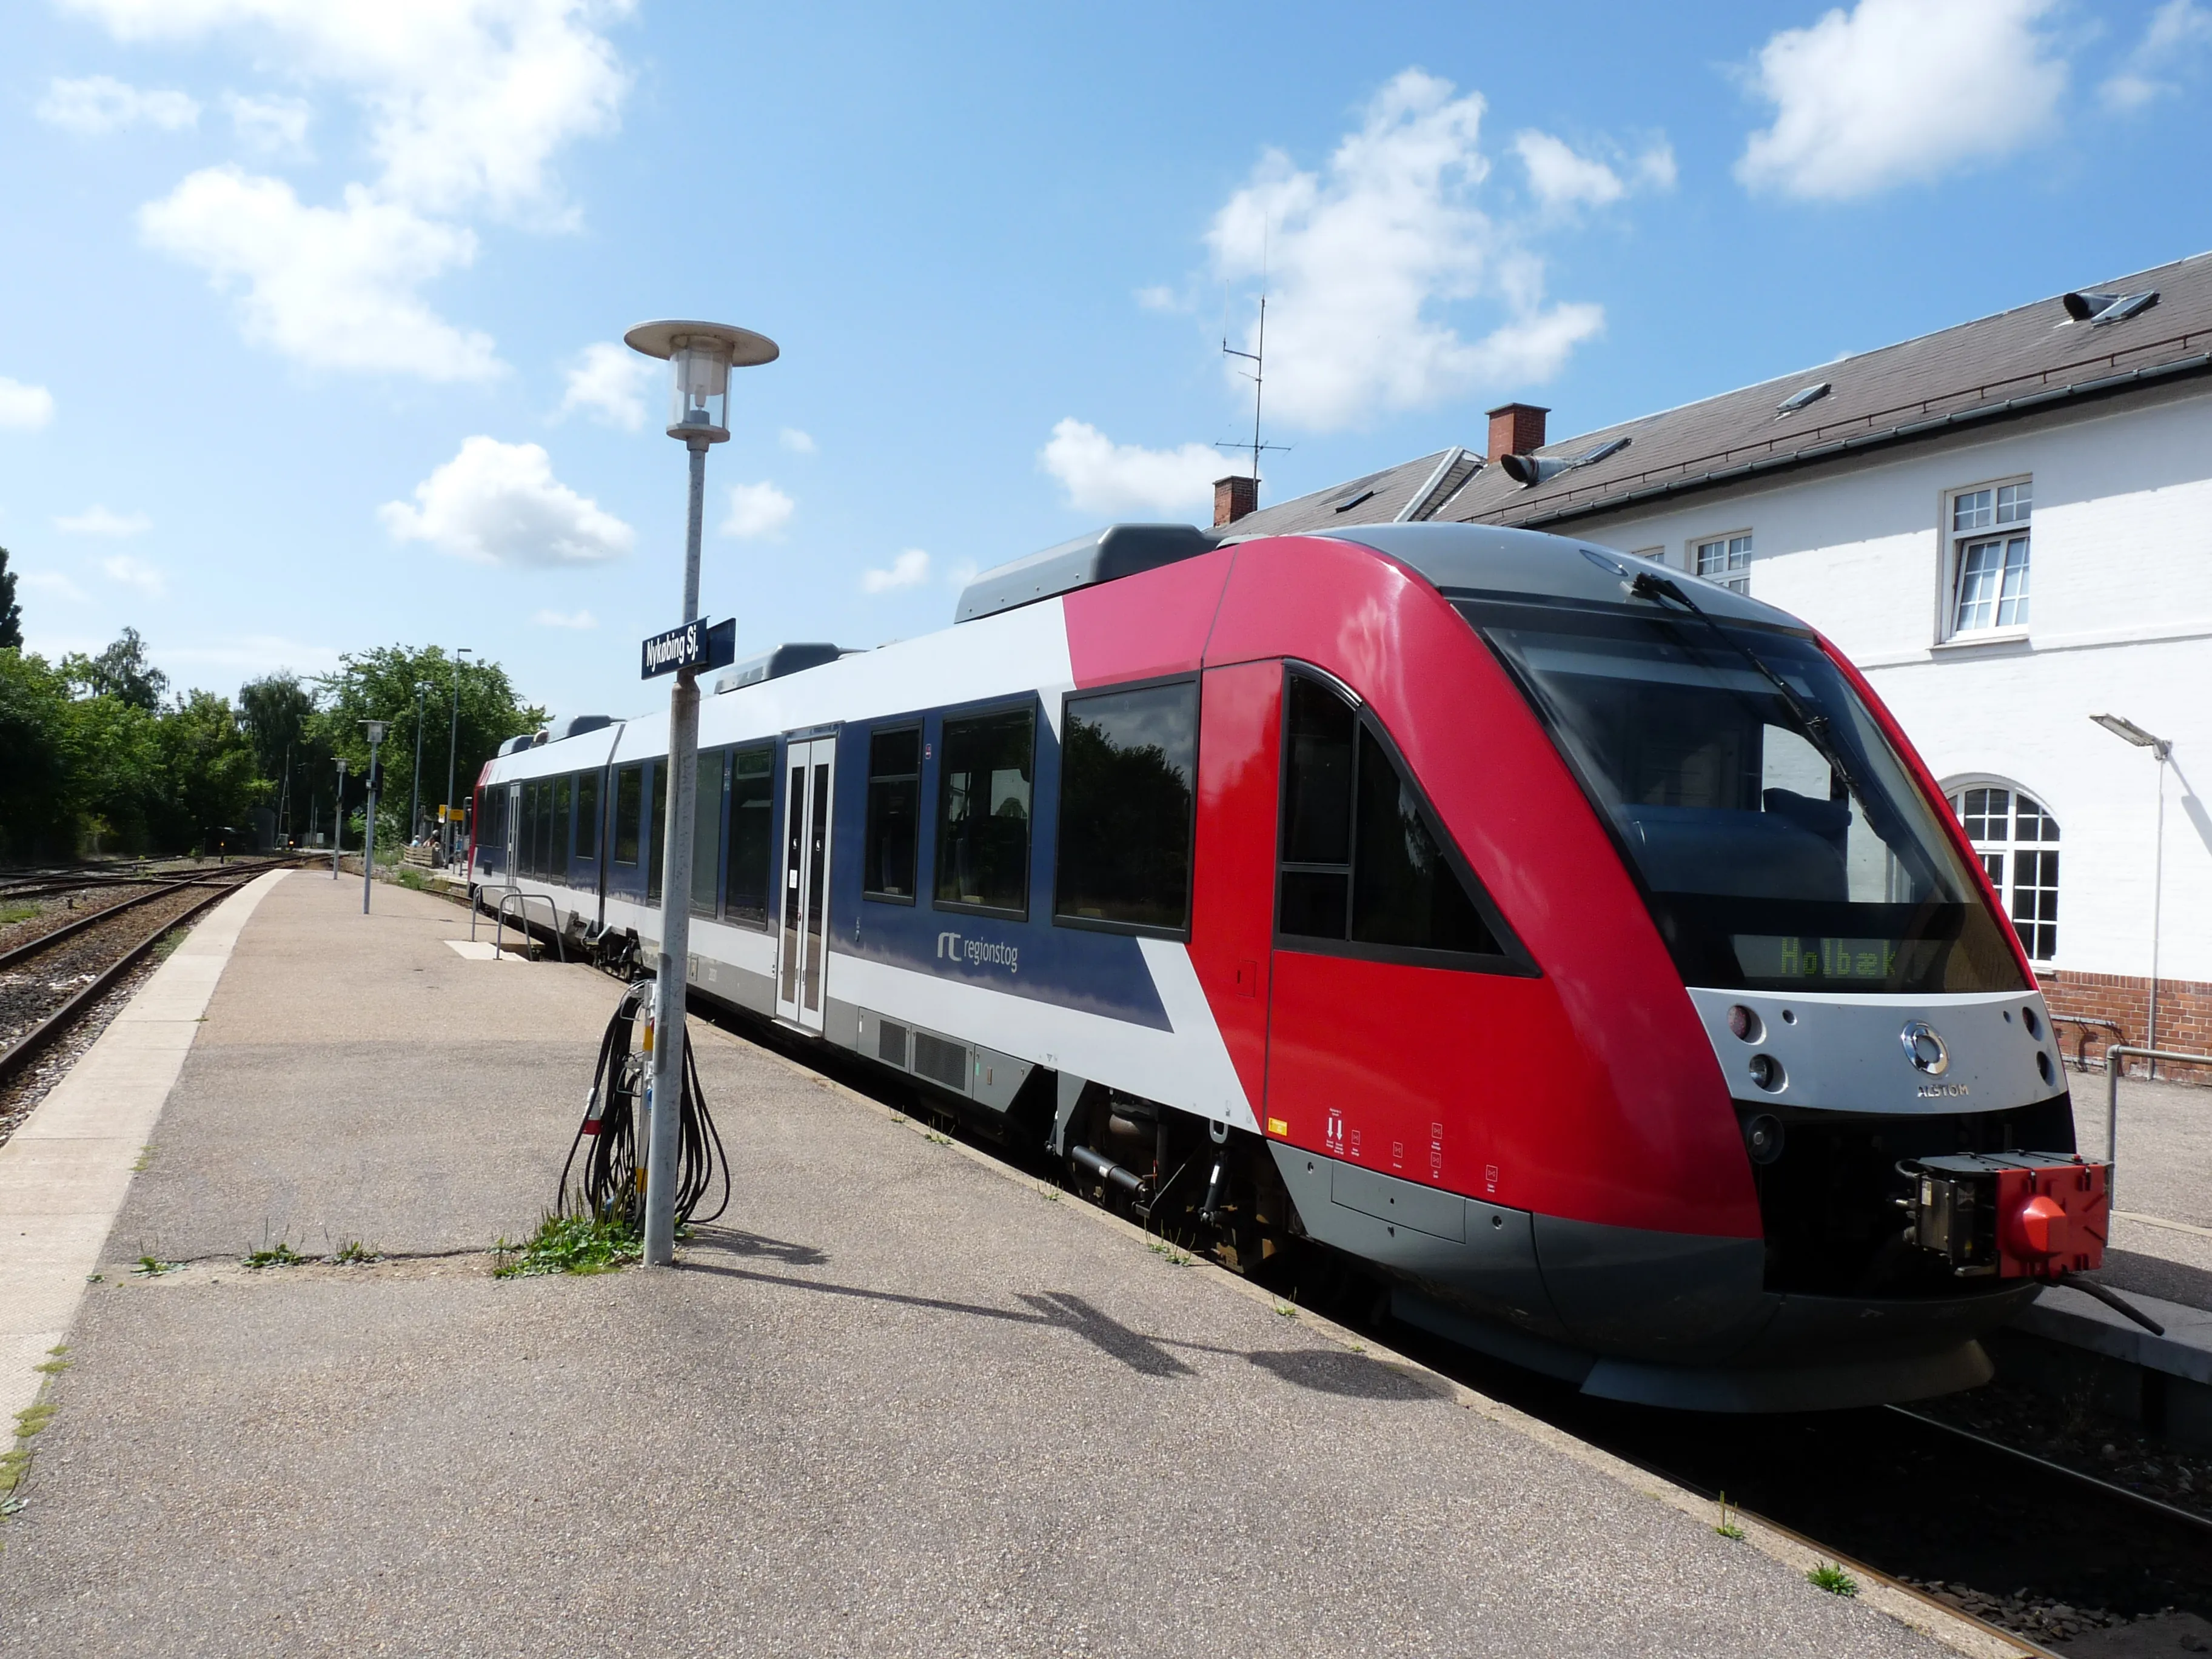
point(477, 891)
point(2120, 1050)
point(520, 900)
point(2081, 1048)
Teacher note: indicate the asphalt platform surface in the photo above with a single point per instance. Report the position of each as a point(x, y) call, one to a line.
point(902, 1404)
point(2161, 1242)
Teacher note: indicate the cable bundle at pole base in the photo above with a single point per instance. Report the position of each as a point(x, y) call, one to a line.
point(610, 1185)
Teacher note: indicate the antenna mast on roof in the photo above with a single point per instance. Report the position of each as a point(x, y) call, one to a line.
point(1257, 375)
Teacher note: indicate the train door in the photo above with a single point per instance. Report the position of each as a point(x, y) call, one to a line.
point(802, 947)
point(512, 829)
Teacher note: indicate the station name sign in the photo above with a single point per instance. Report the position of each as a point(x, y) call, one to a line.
point(694, 645)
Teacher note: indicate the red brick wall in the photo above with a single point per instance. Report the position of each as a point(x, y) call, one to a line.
point(2185, 1015)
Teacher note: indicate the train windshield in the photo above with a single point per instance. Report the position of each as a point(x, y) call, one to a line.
point(1781, 841)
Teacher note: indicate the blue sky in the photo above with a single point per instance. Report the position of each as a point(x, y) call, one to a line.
point(310, 308)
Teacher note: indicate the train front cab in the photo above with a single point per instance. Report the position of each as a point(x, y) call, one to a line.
point(1578, 981)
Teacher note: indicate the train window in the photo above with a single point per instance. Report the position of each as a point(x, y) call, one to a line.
point(587, 815)
point(656, 830)
point(707, 831)
point(564, 812)
point(629, 804)
point(1128, 764)
point(533, 819)
point(752, 845)
point(1363, 859)
point(983, 812)
point(887, 859)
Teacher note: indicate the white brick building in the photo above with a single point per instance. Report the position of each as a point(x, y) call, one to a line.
point(2007, 526)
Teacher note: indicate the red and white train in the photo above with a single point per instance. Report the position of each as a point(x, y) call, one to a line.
point(1584, 951)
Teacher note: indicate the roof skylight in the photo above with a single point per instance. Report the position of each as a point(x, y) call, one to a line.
point(2098, 309)
point(1804, 396)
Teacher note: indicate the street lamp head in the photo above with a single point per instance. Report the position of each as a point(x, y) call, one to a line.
point(2130, 731)
point(375, 731)
point(702, 355)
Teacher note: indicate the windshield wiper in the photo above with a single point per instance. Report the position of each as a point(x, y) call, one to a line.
point(1649, 585)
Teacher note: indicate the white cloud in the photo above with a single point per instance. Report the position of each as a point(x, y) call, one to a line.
point(101, 103)
point(274, 125)
point(467, 99)
point(798, 443)
point(1101, 475)
point(496, 503)
point(332, 288)
point(1562, 179)
point(1160, 297)
point(24, 407)
point(909, 569)
point(1359, 256)
point(2177, 30)
point(1900, 92)
point(1656, 166)
point(560, 619)
point(608, 383)
point(53, 582)
point(135, 573)
point(757, 510)
point(98, 520)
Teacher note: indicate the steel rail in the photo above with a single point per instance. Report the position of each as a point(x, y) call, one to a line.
point(18, 1054)
point(69, 930)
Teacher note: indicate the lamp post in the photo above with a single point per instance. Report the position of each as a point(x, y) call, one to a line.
point(368, 839)
point(702, 355)
point(414, 800)
point(2128, 732)
point(452, 750)
point(338, 821)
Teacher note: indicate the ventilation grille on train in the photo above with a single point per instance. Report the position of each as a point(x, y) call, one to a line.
point(940, 1062)
point(890, 1043)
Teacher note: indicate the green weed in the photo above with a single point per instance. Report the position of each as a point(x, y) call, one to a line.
point(570, 1244)
point(1286, 1311)
point(16, 912)
point(170, 941)
point(356, 1253)
point(1726, 1527)
point(935, 1139)
point(1831, 1578)
point(145, 1161)
point(279, 1254)
point(152, 1267)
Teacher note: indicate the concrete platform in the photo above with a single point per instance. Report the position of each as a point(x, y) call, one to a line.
point(904, 1403)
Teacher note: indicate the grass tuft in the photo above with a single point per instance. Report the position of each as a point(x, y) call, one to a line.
point(354, 1253)
point(152, 1267)
point(279, 1254)
point(570, 1244)
point(12, 913)
point(1831, 1578)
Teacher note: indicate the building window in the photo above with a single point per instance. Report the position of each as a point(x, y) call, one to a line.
point(2017, 841)
point(1990, 557)
point(1656, 554)
point(887, 859)
point(983, 812)
point(1362, 862)
point(752, 841)
point(1128, 770)
point(1725, 560)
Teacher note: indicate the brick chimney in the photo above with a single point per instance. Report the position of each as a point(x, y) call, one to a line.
point(1515, 429)
point(1237, 496)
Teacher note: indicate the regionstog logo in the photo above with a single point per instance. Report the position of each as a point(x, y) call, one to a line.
point(984, 952)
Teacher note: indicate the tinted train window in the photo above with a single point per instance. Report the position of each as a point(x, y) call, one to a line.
point(1363, 859)
point(587, 815)
point(1128, 767)
point(983, 812)
point(887, 860)
point(752, 846)
point(564, 803)
point(656, 830)
point(629, 803)
point(707, 832)
point(533, 813)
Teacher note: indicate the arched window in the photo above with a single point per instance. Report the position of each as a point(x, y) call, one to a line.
point(2018, 841)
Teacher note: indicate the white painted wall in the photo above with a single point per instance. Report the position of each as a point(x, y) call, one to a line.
point(2120, 622)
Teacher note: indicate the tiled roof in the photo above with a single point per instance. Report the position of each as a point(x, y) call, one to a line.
point(2017, 363)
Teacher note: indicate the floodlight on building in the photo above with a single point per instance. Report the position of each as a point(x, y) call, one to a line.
point(700, 356)
point(1529, 471)
point(2128, 732)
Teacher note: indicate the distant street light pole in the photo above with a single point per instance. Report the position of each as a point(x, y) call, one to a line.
point(702, 355)
point(414, 800)
point(2129, 731)
point(368, 846)
point(338, 821)
point(453, 752)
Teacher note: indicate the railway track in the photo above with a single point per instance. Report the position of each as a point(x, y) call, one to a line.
point(49, 982)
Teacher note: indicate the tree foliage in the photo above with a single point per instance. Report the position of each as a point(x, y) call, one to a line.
point(11, 614)
point(96, 757)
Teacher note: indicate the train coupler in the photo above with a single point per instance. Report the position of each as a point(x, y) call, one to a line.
point(2009, 1215)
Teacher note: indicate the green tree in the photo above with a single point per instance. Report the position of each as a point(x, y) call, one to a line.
point(278, 713)
point(379, 685)
point(121, 671)
point(35, 819)
point(11, 614)
point(207, 770)
point(115, 785)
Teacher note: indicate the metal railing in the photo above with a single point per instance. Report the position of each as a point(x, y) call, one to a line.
point(2121, 1051)
point(2086, 1021)
point(520, 900)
